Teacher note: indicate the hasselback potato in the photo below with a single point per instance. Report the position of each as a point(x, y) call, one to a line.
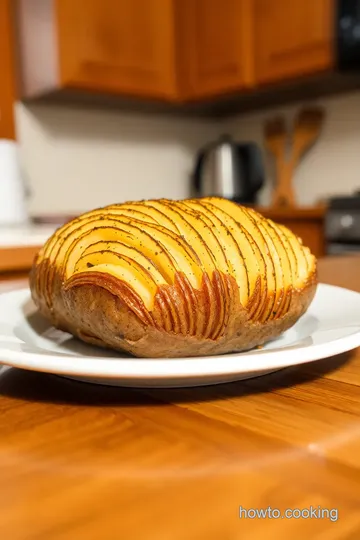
point(163, 278)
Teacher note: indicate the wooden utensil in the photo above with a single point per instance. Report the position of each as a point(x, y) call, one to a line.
point(307, 127)
point(276, 141)
point(306, 130)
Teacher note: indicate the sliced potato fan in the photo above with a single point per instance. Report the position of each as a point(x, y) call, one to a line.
point(171, 278)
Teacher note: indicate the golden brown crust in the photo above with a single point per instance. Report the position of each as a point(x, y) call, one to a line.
point(98, 316)
point(104, 310)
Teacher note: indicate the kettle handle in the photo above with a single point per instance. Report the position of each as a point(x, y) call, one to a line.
point(197, 170)
point(258, 171)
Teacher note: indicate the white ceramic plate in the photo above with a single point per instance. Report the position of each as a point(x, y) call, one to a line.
point(330, 326)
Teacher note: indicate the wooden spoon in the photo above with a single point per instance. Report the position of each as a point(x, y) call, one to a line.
point(306, 130)
point(276, 141)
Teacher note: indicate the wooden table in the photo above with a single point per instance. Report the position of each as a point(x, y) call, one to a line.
point(98, 463)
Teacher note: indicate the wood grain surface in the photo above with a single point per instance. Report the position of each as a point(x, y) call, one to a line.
point(16, 259)
point(82, 461)
point(8, 89)
point(293, 39)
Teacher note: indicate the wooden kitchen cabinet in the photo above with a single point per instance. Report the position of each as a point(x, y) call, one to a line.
point(174, 51)
point(215, 46)
point(7, 78)
point(116, 46)
point(292, 38)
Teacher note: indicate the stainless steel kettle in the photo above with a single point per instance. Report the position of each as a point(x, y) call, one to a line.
point(231, 170)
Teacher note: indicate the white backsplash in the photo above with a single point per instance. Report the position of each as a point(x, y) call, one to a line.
point(78, 159)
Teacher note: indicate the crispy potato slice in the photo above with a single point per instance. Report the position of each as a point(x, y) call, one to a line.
point(302, 256)
point(192, 236)
point(249, 220)
point(170, 254)
point(204, 226)
point(188, 264)
point(290, 252)
point(244, 222)
point(52, 247)
point(189, 233)
point(114, 230)
point(289, 267)
point(181, 252)
point(281, 263)
point(126, 270)
point(108, 253)
point(157, 214)
point(234, 250)
point(235, 261)
point(248, 251)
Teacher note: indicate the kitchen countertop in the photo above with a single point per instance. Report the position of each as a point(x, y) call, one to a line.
point(81, 461)
point(24, 235)
point(19, 245)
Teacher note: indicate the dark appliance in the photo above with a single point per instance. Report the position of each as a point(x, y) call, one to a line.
point(342, 225)
point(347, 35)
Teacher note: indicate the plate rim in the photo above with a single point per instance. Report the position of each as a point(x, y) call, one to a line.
point(196, 367)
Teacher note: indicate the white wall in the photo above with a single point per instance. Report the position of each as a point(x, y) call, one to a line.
point(332, 165)
point(76, 159)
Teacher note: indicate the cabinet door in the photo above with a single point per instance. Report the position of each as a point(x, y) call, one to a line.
point(292, 38)
point(7, 84)
point(121, 46)
point(215, 46)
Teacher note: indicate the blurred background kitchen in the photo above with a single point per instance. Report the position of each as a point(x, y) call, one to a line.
point(104, 101)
